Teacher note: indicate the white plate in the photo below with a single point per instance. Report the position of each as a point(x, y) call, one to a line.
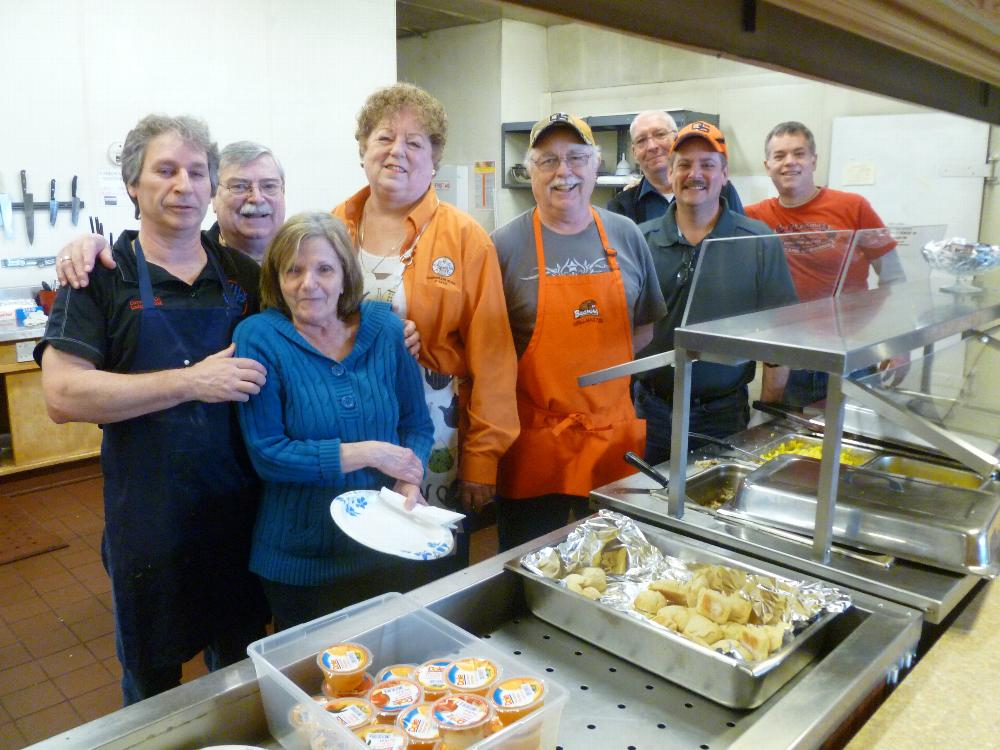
point(365, 517)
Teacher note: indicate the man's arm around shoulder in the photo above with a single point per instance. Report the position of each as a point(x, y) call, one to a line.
point(76, 391)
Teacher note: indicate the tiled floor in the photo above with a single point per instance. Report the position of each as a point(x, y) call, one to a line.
point(57, 657)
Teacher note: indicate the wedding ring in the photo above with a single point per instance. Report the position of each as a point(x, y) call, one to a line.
point(64, 258)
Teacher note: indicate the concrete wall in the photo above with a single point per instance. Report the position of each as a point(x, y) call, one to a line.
point(591, 71)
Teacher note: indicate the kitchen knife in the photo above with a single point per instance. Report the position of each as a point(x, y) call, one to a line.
point(6, 212)
point(53, 204)
point(76, 203)
point(29, 208)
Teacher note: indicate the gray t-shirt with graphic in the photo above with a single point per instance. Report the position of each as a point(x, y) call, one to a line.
point(567, 254)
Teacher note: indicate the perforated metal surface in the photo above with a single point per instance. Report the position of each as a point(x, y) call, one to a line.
point(613, 704)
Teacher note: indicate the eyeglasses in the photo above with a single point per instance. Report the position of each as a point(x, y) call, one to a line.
point(575, 160)
point(660, 136)
point(267, 188)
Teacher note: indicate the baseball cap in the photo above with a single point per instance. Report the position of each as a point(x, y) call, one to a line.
point(704, 130)
point(561, 119)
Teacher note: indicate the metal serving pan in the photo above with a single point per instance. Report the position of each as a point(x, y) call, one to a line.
point(927, 471)
point(947, 527)
point(664, 653)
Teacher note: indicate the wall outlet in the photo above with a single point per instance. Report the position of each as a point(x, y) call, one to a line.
point(25, 350)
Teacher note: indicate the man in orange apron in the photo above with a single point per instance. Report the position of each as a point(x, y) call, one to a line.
point(581, 294)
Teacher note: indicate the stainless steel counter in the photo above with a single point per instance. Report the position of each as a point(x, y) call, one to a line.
point(613, 703)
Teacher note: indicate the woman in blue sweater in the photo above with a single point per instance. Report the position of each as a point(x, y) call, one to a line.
point(342, 409)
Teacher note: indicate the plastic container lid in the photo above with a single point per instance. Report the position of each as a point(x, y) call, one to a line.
point(392, 696)
point(517, 696)
point(472, 675)
point(406, 671)
point(353, 713)
point(419, 725)
point(431, 676)
point(383, 737)
point(344, 665)
point(299, 715)
point(461, 712)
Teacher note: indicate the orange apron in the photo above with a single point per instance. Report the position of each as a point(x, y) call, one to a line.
point(573, 439)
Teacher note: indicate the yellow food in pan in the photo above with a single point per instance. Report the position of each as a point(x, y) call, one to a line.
point(813, 450)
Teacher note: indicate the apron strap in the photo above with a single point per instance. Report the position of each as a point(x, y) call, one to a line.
point(146, 286)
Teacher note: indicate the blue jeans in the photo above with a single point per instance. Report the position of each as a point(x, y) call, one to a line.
point(520, 521)
point(719, 418)
point(806, 387)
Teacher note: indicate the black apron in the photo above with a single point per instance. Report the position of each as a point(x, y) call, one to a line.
point(180, 498)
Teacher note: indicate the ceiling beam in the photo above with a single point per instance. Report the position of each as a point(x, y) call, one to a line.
point(763, 34)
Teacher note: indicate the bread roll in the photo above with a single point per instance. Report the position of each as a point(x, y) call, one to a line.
point(676, 592)
point(713, 605)
point(702, 628)
point(650, 602)
point(595, 578)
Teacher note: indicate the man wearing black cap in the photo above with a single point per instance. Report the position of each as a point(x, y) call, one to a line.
point(734, 277)
point(580, 289)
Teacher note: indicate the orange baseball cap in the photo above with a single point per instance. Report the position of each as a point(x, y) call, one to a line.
point(563, 120)
point(705, 130)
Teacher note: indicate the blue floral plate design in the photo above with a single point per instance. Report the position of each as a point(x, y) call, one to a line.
point(369, 520)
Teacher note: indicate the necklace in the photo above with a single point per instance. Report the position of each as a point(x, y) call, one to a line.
point(405, 257)
point(393, 251)
point(373, 270)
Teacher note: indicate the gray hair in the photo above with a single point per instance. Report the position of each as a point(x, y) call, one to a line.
point(529, 155)
point(659, 112)
point(190, 129)
point(791, 127)
point(241, 153)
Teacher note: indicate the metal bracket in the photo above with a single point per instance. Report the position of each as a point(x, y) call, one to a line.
point(663, 359)
point(993, 179)
point(44, 206)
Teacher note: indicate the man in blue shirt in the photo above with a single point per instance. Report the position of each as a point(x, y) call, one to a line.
point(653, 133)
point(734, 278)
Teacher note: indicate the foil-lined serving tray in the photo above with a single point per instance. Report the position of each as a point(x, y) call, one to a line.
point(944, 526)
point(613, 623)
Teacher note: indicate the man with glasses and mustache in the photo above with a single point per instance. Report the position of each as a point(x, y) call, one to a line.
point(652, 134)
point(734, 279)
point(581, 295)
point(250, 202)
point(249, 206)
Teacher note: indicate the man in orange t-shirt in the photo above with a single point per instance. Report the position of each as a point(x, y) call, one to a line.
point(816, 260)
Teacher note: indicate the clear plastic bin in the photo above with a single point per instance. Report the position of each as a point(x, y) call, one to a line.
point(397, 630)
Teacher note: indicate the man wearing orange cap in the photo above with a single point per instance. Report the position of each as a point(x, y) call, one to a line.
point(652, 133)
point(734, 278)
point(581, 295)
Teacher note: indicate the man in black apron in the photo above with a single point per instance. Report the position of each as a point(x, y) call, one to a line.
point(144, 350)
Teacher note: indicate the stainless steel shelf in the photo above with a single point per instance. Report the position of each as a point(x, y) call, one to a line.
point(613, 703)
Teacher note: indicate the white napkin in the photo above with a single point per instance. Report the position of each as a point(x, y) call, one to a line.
point(424, 513)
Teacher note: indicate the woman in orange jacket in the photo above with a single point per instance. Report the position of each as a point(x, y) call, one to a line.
point(438, 268)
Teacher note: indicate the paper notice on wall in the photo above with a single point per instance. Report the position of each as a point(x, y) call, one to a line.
point(112, 189)
point(858, 173)
point(484, 182)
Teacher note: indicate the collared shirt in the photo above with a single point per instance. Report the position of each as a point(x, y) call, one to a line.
point(454, 294)
point(734, 278)
point(100, 322)
point(643, 202)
